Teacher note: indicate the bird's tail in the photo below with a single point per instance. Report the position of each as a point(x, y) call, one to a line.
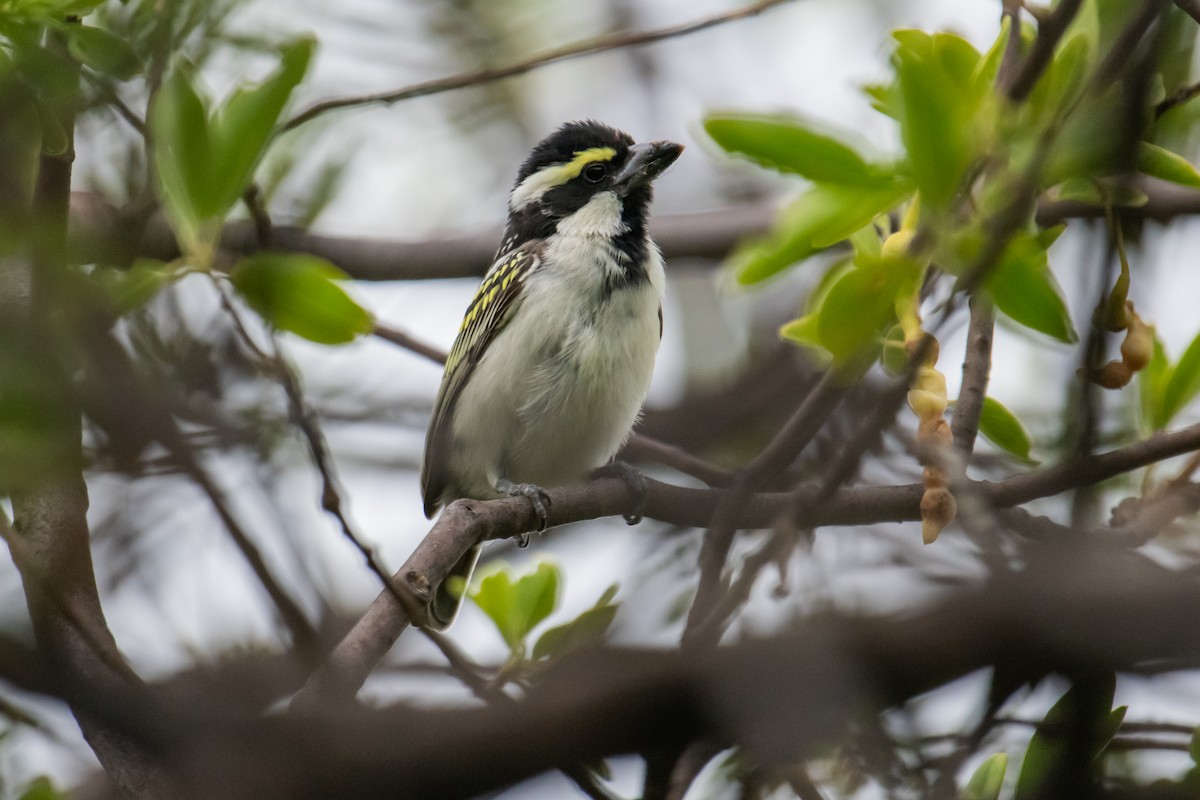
point(446, 601)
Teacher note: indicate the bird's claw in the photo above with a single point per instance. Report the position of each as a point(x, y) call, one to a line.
point(537, 498)
point(634, 480)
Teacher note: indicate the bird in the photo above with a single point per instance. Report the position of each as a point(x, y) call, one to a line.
point(547, 375)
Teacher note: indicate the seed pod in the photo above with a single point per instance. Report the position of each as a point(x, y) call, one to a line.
point(931, 354)
point(938, 509)
point(934, 478)
point(1138, 347)
point(927, 405)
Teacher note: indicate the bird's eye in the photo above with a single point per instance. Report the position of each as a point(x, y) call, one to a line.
point(595, 173)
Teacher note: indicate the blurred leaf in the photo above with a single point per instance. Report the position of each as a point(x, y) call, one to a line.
point(1101, 192)
point(102, 51)
point(824, 215)
point(1183, 383)
point(54, 135)
point(1152, 383)
point(984, 77)
point(1049, 741)
point(179, 123)
point(856, 312)
point(297, 292)
point(1159, 163)
point(584, 629)
point(1060, 83)
point(41, 789)
point(1024, 289)
point(243, 128)
point(937, 107)
point(517, 606)
point(1002, 428)
point(894, 358)
point(1087, 147)
point(1194, 746)
point(128, 289)
point(789, 144)
point(988, 779)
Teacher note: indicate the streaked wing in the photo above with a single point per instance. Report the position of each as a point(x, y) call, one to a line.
point(492, 306)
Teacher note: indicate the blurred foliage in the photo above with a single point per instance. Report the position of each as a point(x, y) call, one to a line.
point(970, 156)
point(518, 604)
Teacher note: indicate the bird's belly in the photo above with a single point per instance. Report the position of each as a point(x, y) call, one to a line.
point(579, 392)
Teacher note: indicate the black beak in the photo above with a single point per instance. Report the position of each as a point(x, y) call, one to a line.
point(646, 161)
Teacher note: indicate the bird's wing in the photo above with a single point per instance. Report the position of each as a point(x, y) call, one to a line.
point(491, 308)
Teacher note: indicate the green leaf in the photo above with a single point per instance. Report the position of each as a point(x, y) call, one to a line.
point(584, 629)
point(936, 110)
point(1024, 288)
point(102, 51)
point(128, 289)
point(297, 292)
point(988, 779)
point(243, 128)
point(790, 144)
point(1152, 383)
point(179, 123)
point(1194, 746)
point(1101, 191)
point(823, 216)
point(1160, 163)
point(517, 606)
point(1002, 428)
point(1049, 741)
point(41, 789)
point(859, 308)
point(1183, 384)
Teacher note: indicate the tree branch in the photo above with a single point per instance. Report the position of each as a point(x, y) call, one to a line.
point(589, 47)
point(466, 522)
point(976, 369)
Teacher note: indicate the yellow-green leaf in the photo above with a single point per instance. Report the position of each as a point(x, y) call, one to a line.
point(1183, 384)
point(1002, 428)
point(988, 779)
point(1024, 288)
point(790, 144)
point(299, 293)
point(1160, 163)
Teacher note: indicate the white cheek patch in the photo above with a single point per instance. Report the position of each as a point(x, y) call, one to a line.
point(553, 175)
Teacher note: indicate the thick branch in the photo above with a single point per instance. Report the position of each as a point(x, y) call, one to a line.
point(466, 522)
point(779, 699)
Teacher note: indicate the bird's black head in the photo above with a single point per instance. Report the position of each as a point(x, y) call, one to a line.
point(581, 162)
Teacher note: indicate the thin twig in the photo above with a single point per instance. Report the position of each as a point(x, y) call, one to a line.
point(1190, 7)
point(478, 77)
point(1050, 31)
point(976, 369)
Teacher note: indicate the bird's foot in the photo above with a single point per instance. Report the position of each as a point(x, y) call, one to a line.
point(634, 480)
point(537, 498)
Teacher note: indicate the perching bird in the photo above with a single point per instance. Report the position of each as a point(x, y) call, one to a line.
point(552, 362)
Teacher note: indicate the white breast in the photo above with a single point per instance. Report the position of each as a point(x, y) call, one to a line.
point(562, 385)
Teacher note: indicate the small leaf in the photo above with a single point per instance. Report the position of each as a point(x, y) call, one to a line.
point(859, 307)
point(1152, 383)
point(1184, 382)
point(790, 144)
point(584, 629)
point(243, 128)
point(537, 595)
point(41, 789)
point(179, 122)
point(102, 51)
point(1002, 428)
point(128, 289)
point(297, 292)
point(936, 110)
point(821, 217)
point(1024, 288)
point(517, 606)
point(988, 779)
point(1049, 741)
point(1160, 163)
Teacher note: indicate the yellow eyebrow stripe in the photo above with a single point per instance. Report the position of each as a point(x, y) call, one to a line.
point(558, 174)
